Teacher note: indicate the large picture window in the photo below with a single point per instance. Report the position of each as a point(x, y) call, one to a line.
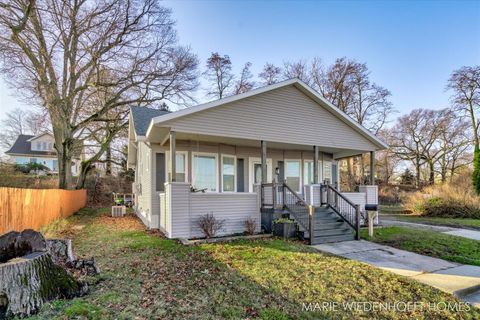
point(292, 174)
point(228, 173)
point(205, 171)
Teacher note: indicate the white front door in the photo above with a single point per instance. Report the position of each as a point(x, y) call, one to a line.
point(255, 171)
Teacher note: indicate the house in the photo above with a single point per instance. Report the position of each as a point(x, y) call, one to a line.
point(38, 149)
point(256, 155)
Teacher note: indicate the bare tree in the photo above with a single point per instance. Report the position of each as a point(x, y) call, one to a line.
point(387, 161)
point(414, 138)
point(335, 83)
point(465, 86)
point(245, 83)
point(270, 74)
point(57, 51)
point(454, 142)
point(219, 74)
point(297, 69)
point(19, 121)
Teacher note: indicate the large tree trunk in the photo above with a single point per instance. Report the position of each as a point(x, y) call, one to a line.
point(431, 179)
point(28, 282)
point(31, 272)
point(85, 168)
point(63, 145)
point(108, 159)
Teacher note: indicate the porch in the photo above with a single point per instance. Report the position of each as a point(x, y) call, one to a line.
point(197, 175)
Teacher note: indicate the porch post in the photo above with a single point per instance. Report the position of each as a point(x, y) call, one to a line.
point(372, 168)
point(315, 164)
point(264, 161)
point(173, 162)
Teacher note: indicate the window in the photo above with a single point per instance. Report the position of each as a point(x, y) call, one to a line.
point(308, 172)
point(327, 171)
point(292, 174)
point(39, 146)
point(44, 145)
point(229, 171)
point(50, 146)
point(205, 171)
point(180, 167)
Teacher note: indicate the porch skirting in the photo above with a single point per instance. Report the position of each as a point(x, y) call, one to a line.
point(180, 210)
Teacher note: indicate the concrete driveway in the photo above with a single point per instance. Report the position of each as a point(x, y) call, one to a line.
point(460, 280)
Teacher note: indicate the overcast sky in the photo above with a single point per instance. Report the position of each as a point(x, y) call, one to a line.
point(410, 47)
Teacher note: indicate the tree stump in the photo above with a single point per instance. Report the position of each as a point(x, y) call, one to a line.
point(32, 272)
point(26, 283)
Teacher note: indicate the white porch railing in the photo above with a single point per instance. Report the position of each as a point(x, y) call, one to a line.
point(366, 195)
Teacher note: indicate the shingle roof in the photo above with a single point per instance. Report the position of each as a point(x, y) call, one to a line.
point(142, 116)
point(23, 146)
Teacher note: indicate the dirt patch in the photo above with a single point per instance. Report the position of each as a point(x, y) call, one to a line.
point(129, 222)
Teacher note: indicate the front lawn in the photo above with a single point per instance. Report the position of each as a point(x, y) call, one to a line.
point(144, 276)
point(430, 243)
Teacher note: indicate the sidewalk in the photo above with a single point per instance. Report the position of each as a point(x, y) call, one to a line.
point(459, 232)
point(461, 280)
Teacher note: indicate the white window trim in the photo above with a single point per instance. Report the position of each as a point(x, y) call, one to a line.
point(301, 172)
point(217, 187)
point(167, 164)
point(235, 172)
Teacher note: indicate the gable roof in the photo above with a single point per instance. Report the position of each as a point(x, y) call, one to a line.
point(40, 135)
point(23, 146)
point(142, 117)
point(296, 83)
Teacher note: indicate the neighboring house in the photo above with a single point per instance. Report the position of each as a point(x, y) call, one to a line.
point(38, 149)
point(256, 155)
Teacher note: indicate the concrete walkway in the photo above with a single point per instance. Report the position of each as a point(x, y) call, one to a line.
point(465, 233)
point(460, 280)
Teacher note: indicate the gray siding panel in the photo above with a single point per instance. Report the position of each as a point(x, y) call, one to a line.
point(282, 115)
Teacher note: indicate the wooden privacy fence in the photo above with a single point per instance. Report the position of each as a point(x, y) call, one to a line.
point(33, 208)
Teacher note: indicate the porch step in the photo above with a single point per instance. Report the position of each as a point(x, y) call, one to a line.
point(336, 238)
point(331, 225)
point(333, 232)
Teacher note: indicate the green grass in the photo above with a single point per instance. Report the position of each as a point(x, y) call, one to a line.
point(431, 243)
point(449, 222)
point(144, 276)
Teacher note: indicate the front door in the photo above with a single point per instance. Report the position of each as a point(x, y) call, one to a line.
point(255, 172)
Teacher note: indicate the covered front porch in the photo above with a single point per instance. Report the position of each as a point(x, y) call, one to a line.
point(239, 179)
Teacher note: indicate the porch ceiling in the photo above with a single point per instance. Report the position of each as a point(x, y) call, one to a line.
point(161, 135)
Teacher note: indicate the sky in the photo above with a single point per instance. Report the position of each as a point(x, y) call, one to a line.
point(410, 47)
